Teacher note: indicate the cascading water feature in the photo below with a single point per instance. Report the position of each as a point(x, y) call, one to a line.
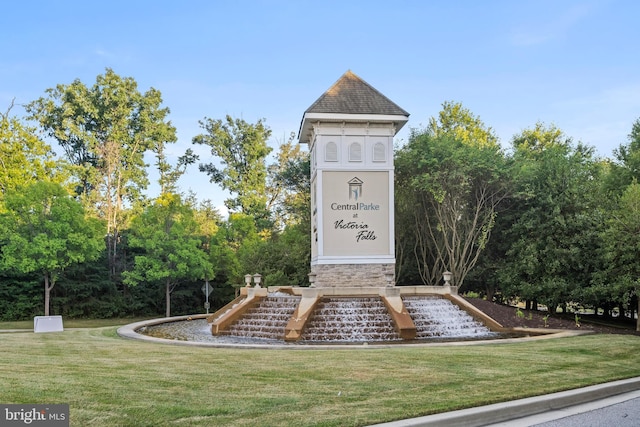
point(437, 317)
point(350, 320)
point(316, 316)
point(267, 319)
point(343, 319)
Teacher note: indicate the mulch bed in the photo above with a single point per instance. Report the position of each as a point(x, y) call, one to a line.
point(507, 317)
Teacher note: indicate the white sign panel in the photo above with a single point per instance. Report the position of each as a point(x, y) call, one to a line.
point(356, 213)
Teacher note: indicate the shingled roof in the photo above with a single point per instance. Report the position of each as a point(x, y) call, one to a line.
point(352, 95)
point(351, 98)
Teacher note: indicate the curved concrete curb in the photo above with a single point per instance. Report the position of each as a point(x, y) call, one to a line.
point(130, 332)
point(507, 411)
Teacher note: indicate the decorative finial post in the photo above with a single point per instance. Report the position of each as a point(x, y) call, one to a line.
point(312, 280)
point(447, 276)
point(256, 279)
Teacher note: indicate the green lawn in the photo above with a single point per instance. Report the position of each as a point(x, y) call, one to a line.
point(73, 323)
point(110, 381)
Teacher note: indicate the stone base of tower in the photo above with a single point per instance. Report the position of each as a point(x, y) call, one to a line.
point(352, 275)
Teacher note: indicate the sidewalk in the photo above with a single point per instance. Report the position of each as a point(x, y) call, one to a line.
point(536, 410)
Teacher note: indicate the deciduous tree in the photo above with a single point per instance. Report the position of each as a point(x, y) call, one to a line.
point(449, 184)
point(622, 243)
point(44, 230)
point(242, 149)
point(25, 158)
point(169, 240)
point(105, 131)
point(626, 164)
point(553, 239)
point(459, 123)
point(288, 185)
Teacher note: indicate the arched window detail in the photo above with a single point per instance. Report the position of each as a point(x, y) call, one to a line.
point(331, 152)
point(379, 152)
point(355, 152)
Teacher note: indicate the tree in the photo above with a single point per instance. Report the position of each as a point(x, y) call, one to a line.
point(622, 243)
point(553, 237)
point(105, 131)
point(449, 185)
point(283, 259)
point(169, 175)
point(170, 242)
point(457, 122)
point(288, 185)
point(242, 149)
point(626, 166)
point(223, 255)
point(44, 230)
point(24, 158)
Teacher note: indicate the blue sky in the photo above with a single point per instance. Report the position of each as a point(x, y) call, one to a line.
point(512, 63)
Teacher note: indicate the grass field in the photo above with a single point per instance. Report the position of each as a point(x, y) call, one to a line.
point(110, 381)
point(73, 323)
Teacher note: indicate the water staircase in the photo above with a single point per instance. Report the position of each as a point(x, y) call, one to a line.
point(437, 317)
point(345, 318)
point(351, 320)
point(267, 319)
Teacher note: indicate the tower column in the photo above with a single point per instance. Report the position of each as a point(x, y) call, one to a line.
point(350, 132)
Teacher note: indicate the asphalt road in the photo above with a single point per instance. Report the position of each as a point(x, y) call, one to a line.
point(620, 411)
point(625, 414)
point(613, 404)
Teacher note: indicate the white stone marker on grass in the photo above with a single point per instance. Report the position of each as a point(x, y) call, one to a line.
point(47, 324)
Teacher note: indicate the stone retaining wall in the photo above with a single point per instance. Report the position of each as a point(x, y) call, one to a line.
point(353, 275)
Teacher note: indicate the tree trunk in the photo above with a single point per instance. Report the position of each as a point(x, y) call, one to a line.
point(606, 311)
point(490, 291)
point(638, 319)
point(168, 298)
point(48, 285)
point(46, 295)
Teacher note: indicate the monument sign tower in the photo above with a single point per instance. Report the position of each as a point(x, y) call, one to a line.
point(350, 131)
